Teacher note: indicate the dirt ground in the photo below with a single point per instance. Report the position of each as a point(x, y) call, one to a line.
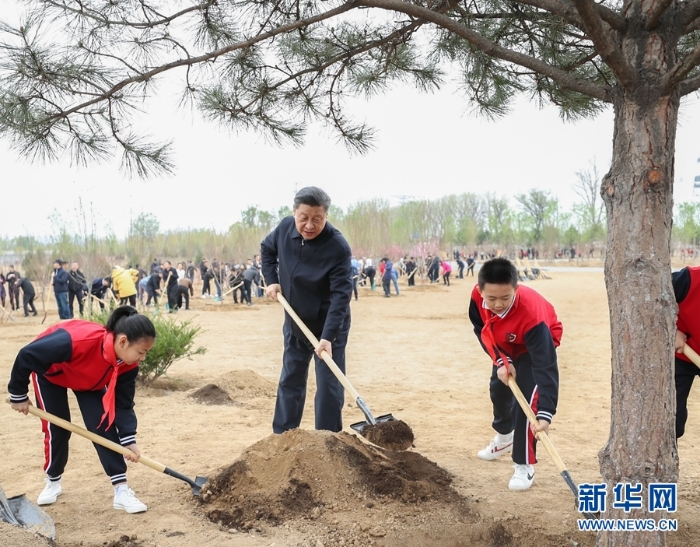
point(414, 356)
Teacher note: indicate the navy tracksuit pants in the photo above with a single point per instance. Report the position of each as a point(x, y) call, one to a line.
point(54, 400)
point(684, 376)
point(291, 391)
point(507, 414)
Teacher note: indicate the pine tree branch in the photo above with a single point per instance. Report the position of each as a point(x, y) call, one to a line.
point(656, 13)
point(609, 52)
point(691, 85)
point(569, 13)
point(676, 75)
point(690, 14)
point(145, 76)
point(491, 48)
point(98, 17)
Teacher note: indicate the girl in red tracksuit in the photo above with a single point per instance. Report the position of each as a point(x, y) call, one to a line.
point(100, 364)
point(520, 331)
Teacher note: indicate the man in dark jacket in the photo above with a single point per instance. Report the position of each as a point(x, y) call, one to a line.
point(28, 294)
point(307, 260)
point(11, 277)
point(77, 285)
point(250, 275)
point(60, 288)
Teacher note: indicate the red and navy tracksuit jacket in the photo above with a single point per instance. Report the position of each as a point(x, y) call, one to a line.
point(529, 325)
point(79, 355)
point(686, 287)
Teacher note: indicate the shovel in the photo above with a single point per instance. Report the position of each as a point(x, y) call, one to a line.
point(692, 355)
point(195, 484)
point(18, 510)
point(544, 439)
point(359, 426)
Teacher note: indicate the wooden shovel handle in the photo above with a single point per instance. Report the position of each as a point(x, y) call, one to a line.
point(60, 422)
point(541, 435)
point(691, 354)
point(315, 343)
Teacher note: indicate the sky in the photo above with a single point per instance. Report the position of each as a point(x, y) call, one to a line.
point(427, 146)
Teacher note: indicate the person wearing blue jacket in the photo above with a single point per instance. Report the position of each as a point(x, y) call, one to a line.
point(60, 288)
point(307, 260)
point(387, 277)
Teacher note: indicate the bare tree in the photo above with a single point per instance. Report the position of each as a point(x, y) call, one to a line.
point(592, 209)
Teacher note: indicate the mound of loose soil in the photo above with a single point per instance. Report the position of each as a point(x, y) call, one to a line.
point(16, 536)
point(294, 474)
point(392, 435)
point(211, 394)
point(246, 384)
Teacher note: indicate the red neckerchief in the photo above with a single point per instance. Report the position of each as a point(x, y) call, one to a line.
point(108, 400)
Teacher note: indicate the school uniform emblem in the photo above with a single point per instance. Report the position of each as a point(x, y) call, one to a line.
point(510, 337)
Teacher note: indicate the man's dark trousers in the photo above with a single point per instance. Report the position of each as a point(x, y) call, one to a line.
point(291, 392)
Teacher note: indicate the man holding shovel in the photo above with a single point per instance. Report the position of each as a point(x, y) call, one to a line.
point(307, 260)
point(520, 331)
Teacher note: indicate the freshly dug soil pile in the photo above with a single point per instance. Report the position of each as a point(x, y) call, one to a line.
point(392, 435)
point(300, 472)
point(246, 384)
point(211, 394)
point(16, 536)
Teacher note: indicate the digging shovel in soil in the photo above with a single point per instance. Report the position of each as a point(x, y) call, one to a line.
point(18, 510)
point(544, 439)
point(385, 431)
point(196, 484)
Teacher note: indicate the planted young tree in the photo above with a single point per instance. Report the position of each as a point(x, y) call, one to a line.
point(72, 84)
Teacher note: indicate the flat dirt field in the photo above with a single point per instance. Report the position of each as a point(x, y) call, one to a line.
point(414, 356)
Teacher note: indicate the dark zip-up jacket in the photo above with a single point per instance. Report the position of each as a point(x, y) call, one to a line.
point(79, 355)
point(315, 276)
point(60, 280)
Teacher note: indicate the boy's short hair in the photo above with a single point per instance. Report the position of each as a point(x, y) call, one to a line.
point(498, 271)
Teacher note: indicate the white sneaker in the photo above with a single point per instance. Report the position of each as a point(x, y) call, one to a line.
point(522, 477)
point(124, 498)
point(495, 449)
point(50, 493)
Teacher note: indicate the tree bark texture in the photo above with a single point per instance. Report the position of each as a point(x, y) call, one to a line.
point(638, 196)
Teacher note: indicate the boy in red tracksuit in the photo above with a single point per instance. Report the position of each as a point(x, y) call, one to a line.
point(520, 331)
point(99, 364)
point(686, 286)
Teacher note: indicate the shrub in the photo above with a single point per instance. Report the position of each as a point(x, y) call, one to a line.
point(174, 341)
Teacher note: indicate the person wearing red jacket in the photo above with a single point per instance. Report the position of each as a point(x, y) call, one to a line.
point(520, 331)
point(99, 364)
point(686, 287)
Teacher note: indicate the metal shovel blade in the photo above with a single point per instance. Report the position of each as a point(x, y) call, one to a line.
point(196, 484)
point(18, 510)
point(360, 426)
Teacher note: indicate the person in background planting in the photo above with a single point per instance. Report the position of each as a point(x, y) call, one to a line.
point(170, 278)
point(11, 277)
point(410, 267)
point(60, 288)
point(446, 271)
point(250, 275)
point(124, 284)
point(686, 287)
point(307, 260)
point(520, 331)
point(28, 294)
point(386, 276)
point(77, 286)
point(99, 364)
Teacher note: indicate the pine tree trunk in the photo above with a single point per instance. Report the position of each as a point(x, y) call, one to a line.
point(638, 196)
